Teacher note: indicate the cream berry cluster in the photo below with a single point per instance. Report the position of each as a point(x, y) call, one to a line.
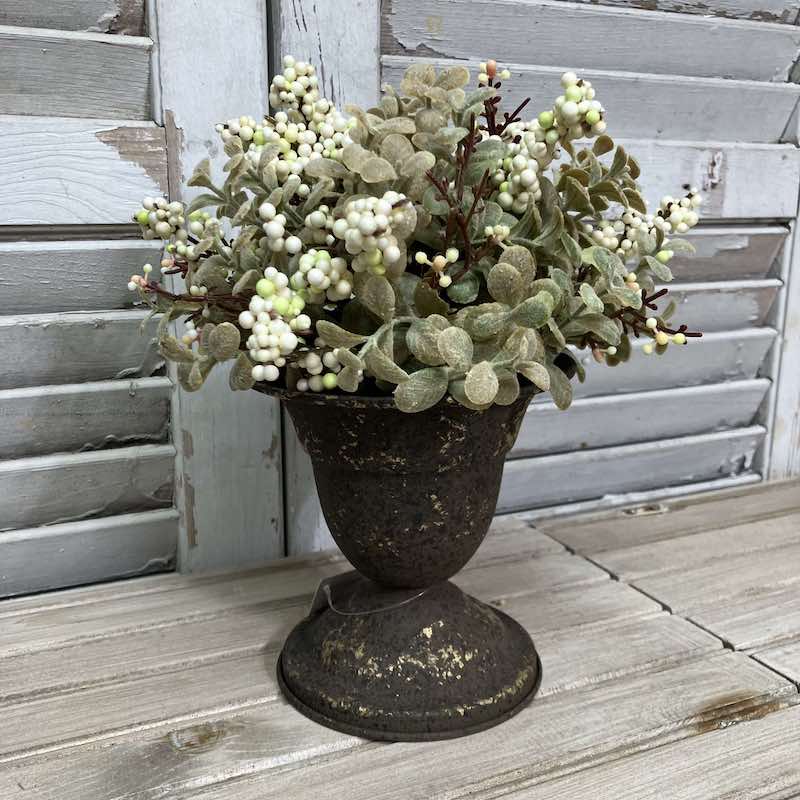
point(366, 229)
point(322, 277)
point(576, 113)
point(295, 88)
point(321, 371)
point(161, 219)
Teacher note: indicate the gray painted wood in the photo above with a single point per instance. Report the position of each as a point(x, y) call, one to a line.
point(718, 306)
point(44, 72)
point(100, 16)
point(72, 347)
point(543, 32)
point(754, 760)
point(609, 530)
point(40, 185)
point(717, 357)
point(622, 419)
point(784, 660)
point(53, 556)
point(729, 253)
point(717, 582)
point(41, 277)
point(780, 11)
point(697, 549)
point(566, 477)
point(322, 32)
point(70, 487)
point(560, 736)
point(229, 488)
point(83, 416)
point(750, 622)
point(733, 110)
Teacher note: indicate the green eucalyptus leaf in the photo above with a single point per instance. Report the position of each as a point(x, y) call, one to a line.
point(241, 375)
point(560, 387)
point(382, 367)
point(465, 289)
point(423, 389)
point(535, 311)
point(536, 373)
point(325, 168)
point(378, 296)
point(505, 283)
point(423, 341)
point(590, 298)
point(224, 341)
point(334, 336)
point(427, 301)
point(377, 169)
point(455, 346)
point(522, 260)
point(661, 271)
point(173, 350)
point(597, 324)
point(481, 384)
point(347, 379)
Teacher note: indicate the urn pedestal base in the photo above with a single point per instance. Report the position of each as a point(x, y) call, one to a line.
point(408, 664)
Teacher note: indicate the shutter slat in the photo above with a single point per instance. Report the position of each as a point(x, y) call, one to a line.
point(83, 416)
point(100, 16)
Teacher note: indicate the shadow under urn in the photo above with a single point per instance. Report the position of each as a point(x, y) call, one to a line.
point(397, 652)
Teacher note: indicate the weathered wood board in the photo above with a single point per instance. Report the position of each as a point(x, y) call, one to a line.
point(719, 581)
point(73, 347)
point(754, 760)
point(780, 11)
point(750, 622)
point(567, 477)
point(100, 16)
point(54, 556)
point(698, 549)
point(41, 277)
point(626, 418)
point(734, 110)
point(543, 32)
point(83, 416)
point(74, 74)
point(609, 530)
point(784, 659)
point(66, 487)
point(45, 178)
point(729, 252)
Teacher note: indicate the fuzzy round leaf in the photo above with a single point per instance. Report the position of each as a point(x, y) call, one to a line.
point(560, 388)
point(190, 377)
point(427, 301)
point(173, 350)
point(465, 289)
point(536, 373)
point(522, 259)
point(241, 375)
point(456, 389)
point(456, 347)
point(590, 298)
point(397, 149)
point(481, 384)
point(535, 311)
point(404, 220)
point(418, 164)
point(508, 390)
point(423, 341)
point(398, 125)
point(354, 156)
point(325, 168)
point(429, 120)
point(377, 169)
point(383, 368)
point(423, 389)
point(453, 78)
point(347, 379)
point(224, 341)
point(504, 283)
point(378, 296)
point(334, 336)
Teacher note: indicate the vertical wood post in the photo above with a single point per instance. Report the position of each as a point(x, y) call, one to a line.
point(341, 39)
point(212, 65)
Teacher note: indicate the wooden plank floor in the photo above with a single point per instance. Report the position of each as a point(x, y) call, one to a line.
point(670, 639)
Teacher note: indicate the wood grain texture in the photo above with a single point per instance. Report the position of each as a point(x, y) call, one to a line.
point(567, 477)
point(784, 659)
point(753, 760)
point(559, 735)
point(784, 454)
point(77, 172)
point(734, 110)
point(717, 357)
point(750, 622)
point(781, 11)
point(66, 487)
point(229, 443)
point(710, 584)
point(600, 531)
point(100, 16)
point(698, 549)
point(54, 556)
point(73, 347)
point(85, 416)
point(74, 74)
point(41, 277)
point(610, 38)
point(322, 32)
point(623, 419)
point(729, 253)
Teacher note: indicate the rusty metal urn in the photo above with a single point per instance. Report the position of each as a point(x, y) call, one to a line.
point(397, 652)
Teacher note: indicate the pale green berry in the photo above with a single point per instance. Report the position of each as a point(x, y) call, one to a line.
point(546, 119)
point(679, 338)
point(592, 116)
point(664, 255)
point(143, 217)
point(329, 380)
point(662, 338)
point(573, 93)
point(265, 288)
point(280, 305)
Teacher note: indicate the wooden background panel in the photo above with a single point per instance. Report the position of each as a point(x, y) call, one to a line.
point(72, 275)
point(717, 357)
point(83, 416)
point(73, 553)
point(642, 416)
point(77, 172)
point(73, 347)
point(730, 252)
point(785, 12)
point(569, 477)
point(100, 16)
point(580, 36)
point(74, 74)
point(749, 111)
point(718, 306)
point(66, 487)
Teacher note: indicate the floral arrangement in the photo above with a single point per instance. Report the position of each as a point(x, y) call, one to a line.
point(430, 245)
